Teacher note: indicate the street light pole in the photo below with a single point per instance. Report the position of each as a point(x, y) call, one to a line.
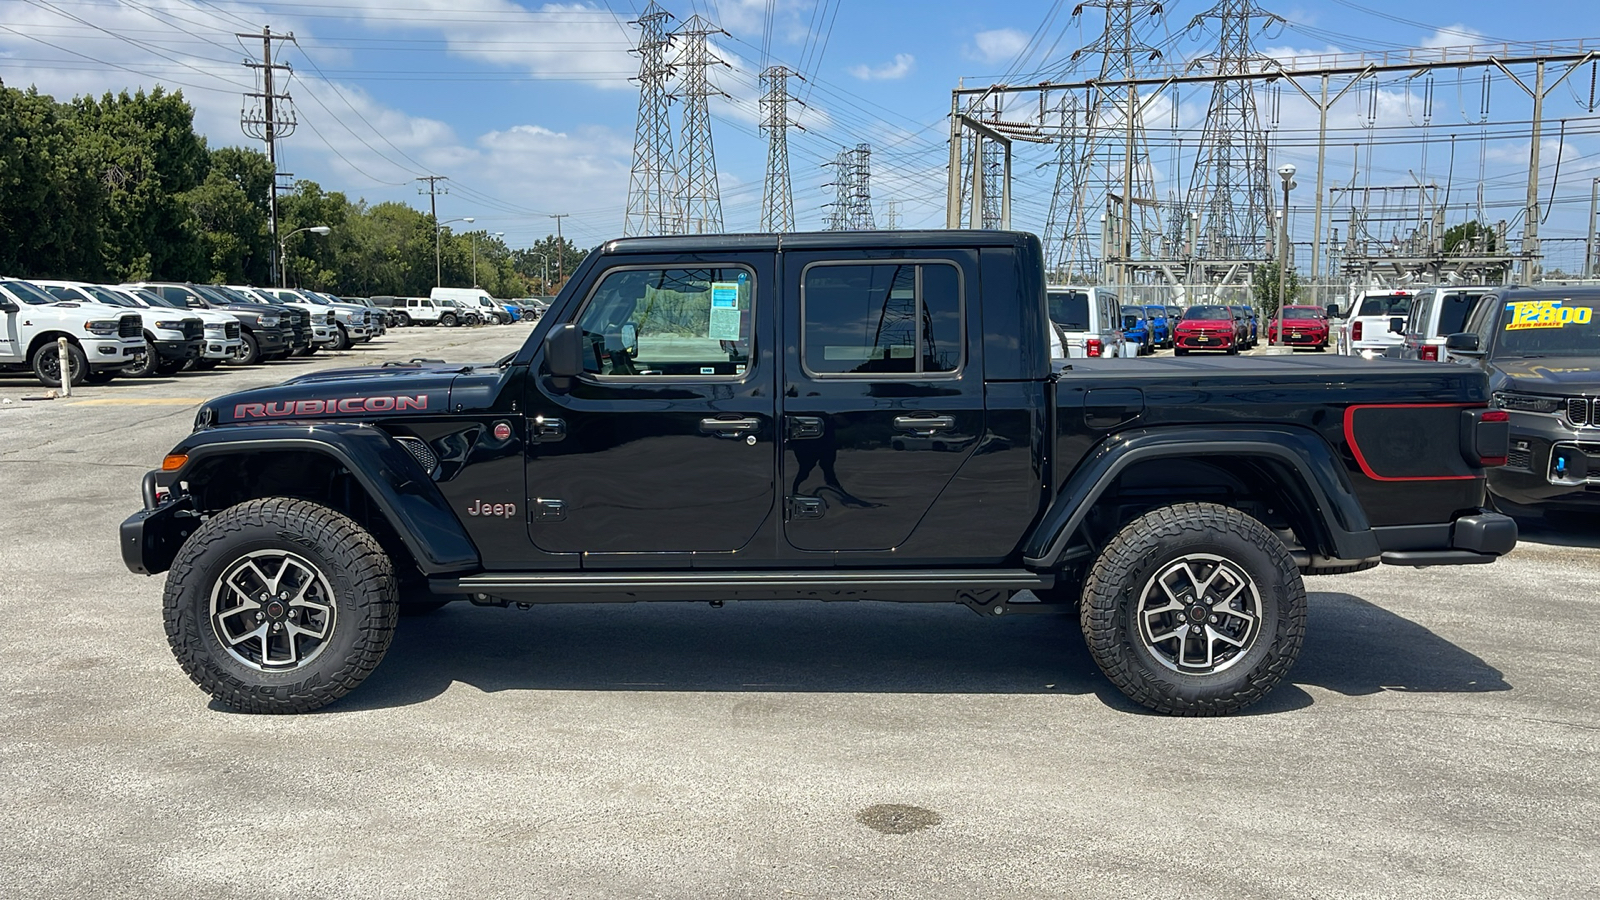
point(1286, 172)
point(561, 256)
point(438, 232)
point(283, 250)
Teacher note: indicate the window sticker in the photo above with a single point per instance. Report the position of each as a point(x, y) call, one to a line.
point(1526, 314)
point(726, 318)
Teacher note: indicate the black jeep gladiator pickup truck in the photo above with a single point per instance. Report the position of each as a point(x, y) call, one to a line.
point(830, 416)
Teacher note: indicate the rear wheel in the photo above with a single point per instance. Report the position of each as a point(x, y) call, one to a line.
point(1194, 609)
point(280, 606)
point(448, 320)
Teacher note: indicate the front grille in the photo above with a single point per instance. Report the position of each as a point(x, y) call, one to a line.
point(231, 330)
point(1580, 411)
point(193, 328)
point(130, 326)
point(420, 450)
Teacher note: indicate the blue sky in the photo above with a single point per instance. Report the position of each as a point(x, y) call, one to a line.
point(528, 108)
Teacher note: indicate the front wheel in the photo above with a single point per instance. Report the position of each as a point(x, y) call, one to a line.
point(1194, 610)
point(47, 364)
point(280, 606)
point(403, 320)
point(341, 339)
point(249, 351)
point(448, 320)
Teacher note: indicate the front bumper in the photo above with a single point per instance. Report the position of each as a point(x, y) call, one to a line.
point(221, 348)
point(106, 354)
point(1482, 537)
point(151, 537)
point(1551, 463)
point(322, 334)
point(271, 340)
point(1191, 341)
point(179, 350)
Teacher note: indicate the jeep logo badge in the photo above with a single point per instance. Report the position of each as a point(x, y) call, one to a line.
point(497, 510)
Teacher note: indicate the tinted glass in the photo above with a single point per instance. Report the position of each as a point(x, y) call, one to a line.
point(1301, 312)
point(1549, 326)
point(669, 323)
point(864, 319)
point(1453, 312)
point(1394, 305)
point(1070, 309)
point(28, 293)
point(1207, 312)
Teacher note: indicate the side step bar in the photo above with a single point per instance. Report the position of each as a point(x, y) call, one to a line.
point(499, 588)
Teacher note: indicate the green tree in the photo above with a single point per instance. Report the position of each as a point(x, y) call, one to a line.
point(546, 261)
point(1474, 238)
point(1264, 287)
point(50, 206)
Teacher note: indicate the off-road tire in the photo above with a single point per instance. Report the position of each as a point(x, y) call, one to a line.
point(364, 600)
point(403, 320)
point(1150, 545)
point(46, 364)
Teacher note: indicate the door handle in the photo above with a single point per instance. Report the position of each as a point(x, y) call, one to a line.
point(729, 427)
point(924, 424)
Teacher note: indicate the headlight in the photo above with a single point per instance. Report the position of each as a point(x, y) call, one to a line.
point(172, 324)
point(1527, 402)
point(101, 327)
point(268, 321)
point(216, 329)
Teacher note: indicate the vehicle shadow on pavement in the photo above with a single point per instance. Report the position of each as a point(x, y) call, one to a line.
point(1560, 529)
point(1352, 647)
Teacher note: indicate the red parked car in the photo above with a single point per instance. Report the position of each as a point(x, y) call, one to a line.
point(1207, 328)
point(1303, 326)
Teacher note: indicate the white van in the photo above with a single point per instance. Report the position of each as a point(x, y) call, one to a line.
point(476, 299)
point(1089, 319)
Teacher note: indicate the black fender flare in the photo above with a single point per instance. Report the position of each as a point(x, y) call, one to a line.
point(1322, 482)
point(392, 478)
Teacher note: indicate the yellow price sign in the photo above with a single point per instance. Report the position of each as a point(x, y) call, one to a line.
point(1545, 314)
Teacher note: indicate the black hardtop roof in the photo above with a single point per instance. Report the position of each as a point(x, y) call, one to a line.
point(1563, 291)
point(819, 240)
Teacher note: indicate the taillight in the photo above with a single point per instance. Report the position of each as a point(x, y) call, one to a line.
point(1428, 352)
point(1485, 436)
point(1355, 330)
point(1093, 347)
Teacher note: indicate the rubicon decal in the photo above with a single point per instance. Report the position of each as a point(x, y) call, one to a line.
point(293, 408)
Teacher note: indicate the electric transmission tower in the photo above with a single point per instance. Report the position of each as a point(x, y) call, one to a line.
point(269, 119)
point(1113, 183)
point(1065, 239)
point(777, 194)
point(653, 187)
point(701, 203)
point(1230, 189)
point(843, 191)
point(860, 213)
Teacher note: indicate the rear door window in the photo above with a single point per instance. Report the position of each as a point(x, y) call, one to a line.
point(899, 318)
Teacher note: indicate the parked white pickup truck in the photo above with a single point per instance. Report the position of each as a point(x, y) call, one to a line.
point(1377, 323)
point(102, 340)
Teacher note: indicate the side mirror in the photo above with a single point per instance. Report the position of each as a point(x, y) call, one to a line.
point(563, 353)
point(1333, 310)
point(8, 305)
point(1397, 325)
point(1463, 344)
point(630, 339)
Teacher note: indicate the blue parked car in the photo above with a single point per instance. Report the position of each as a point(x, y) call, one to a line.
point(1161, 332)
point(1136, 328)
point(1251, 322)
point(512, 310)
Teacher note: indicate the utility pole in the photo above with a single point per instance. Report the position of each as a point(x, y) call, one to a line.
point(1591, 266)
point(777, 195)
point(269, 122)
point(433, 191)
point(561, 249)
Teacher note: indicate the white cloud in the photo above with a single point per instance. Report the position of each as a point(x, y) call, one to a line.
point(1456, 35)
point(899, 68)
point(998, 46)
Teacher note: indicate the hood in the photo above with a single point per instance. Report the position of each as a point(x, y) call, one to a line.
point(367, 392)
point(1552, 375)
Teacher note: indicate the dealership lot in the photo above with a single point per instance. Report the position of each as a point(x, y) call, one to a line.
point(1433, 740)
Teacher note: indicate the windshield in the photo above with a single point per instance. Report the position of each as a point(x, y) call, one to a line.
point(1391, 305)
point(1157, 312)
point(1206, 312)
point(314, 298)
point(1549, 327)
point(212, 294)
point(1070, 309)
point(27, 293)
point(235, 295)
point(61, 292)
point(107, 296)
point(1302, 312)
